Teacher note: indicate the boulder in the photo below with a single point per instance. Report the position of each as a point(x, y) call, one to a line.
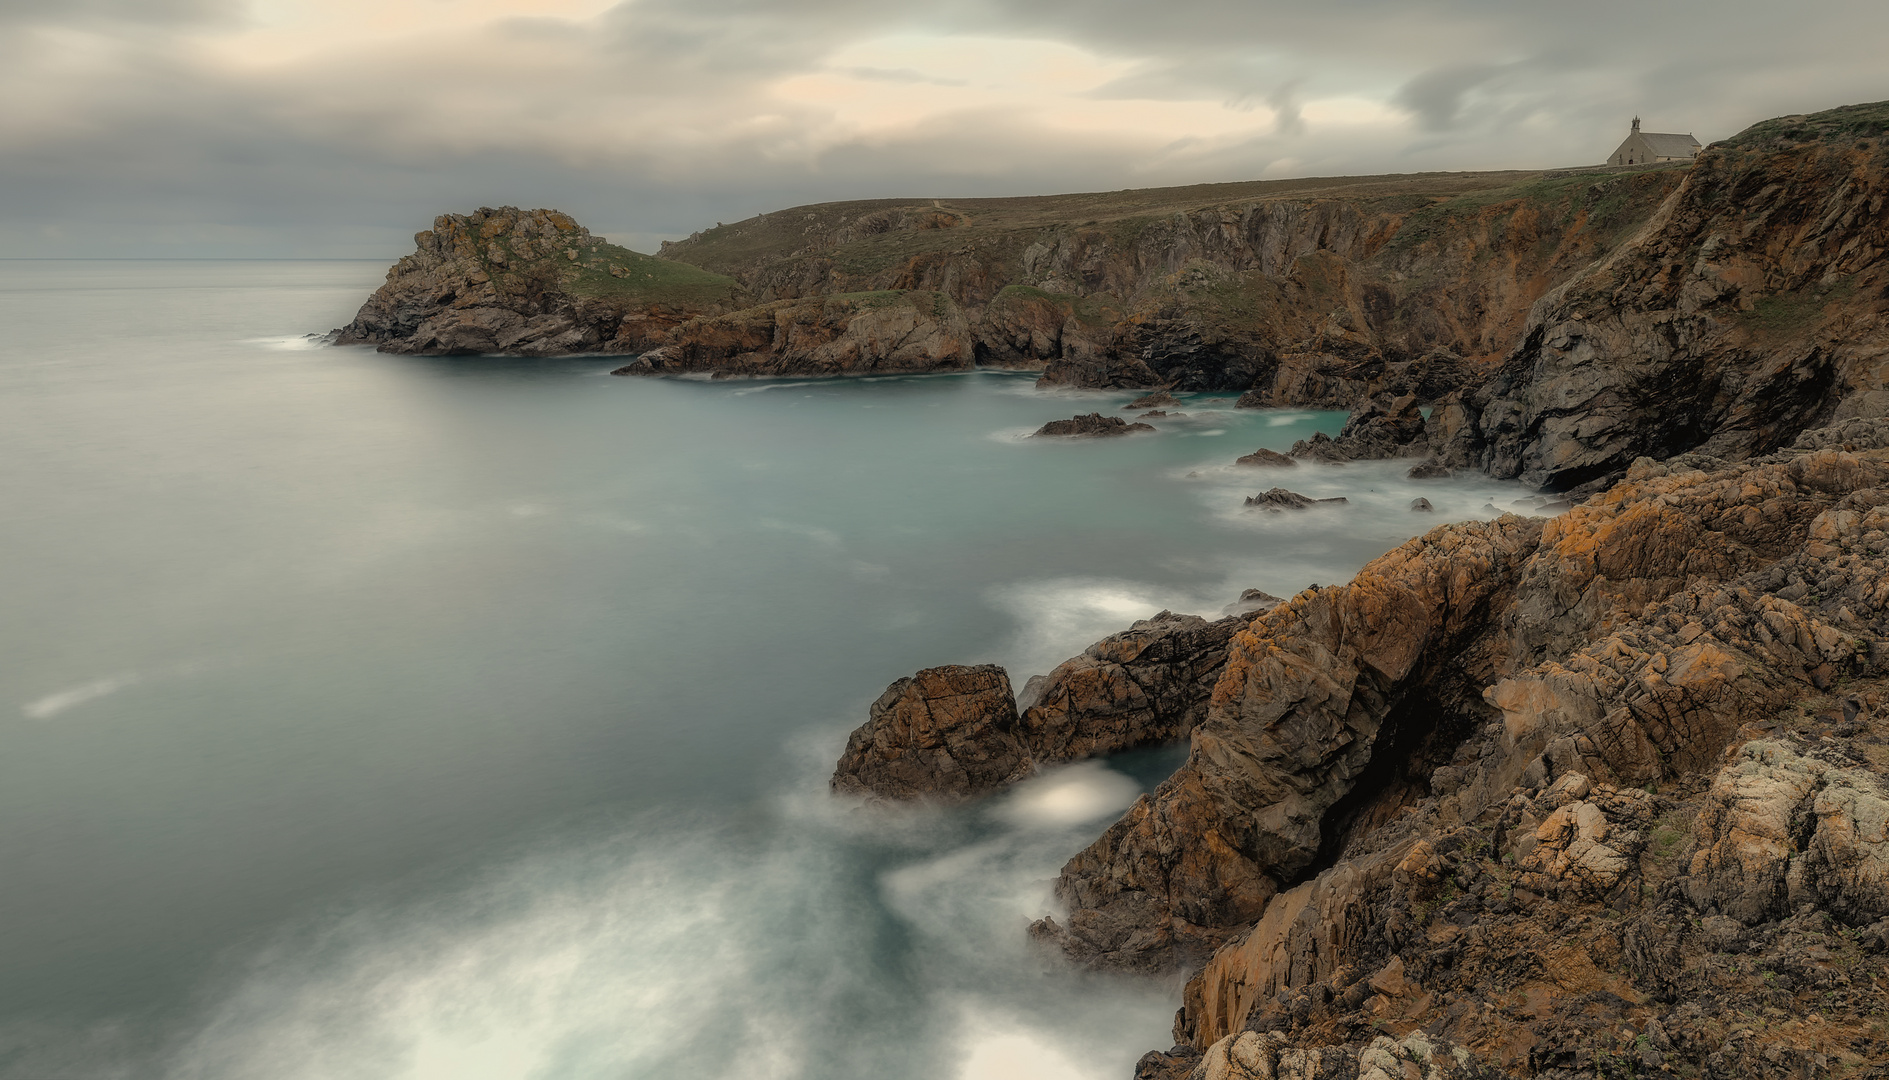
point(1265, 458)
point(1277, 500)
point(1421, 506)
point(1156, 400)
point(947, 732)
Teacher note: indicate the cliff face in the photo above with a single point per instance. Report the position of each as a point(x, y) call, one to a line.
point(1309, 292)
point(1754, 304)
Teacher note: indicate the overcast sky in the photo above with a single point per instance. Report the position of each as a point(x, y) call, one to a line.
point(340, 127)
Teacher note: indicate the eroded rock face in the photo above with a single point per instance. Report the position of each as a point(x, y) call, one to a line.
point(1093, 425)
point(1751, 307)
point(1291, 728)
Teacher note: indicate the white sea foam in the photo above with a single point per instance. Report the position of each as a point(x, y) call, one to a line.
point(1087, 791)
point(53, 704)
point(765, 387)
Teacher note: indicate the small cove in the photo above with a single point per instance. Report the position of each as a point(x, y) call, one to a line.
point(409, 717)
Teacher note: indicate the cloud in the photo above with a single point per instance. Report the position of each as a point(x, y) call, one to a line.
point(299, 127)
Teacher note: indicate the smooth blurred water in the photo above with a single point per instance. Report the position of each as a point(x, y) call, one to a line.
point(372, 716)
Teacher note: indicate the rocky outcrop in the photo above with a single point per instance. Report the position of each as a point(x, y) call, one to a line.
point(1159, 399)
point(528, 283)
point(1752, 306)
point(951, 732)
point(832, 335)
point(1279, 500)
point(1093, 425)
point(1593, 789)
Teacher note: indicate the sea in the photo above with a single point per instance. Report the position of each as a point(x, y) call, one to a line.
point(369, 717)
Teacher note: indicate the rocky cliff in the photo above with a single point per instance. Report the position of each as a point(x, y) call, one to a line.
point(1605, 795)
point(1755, 303)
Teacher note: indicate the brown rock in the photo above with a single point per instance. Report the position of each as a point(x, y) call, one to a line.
point(1159, 399)
point(946, 732)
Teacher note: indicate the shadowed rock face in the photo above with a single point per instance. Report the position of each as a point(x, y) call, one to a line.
point(1752, 306)
point(833, 335)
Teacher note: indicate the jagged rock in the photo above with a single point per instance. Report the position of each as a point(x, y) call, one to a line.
point(1148, 684)
point(1157, 400)
point(1277, 500)
point(1252, 600)
point(1421, 505)
point(947, 732)
point(1431, 469)
point(1267, 459)
point(1374, 431)
point(1090, 426)
point(1292, 725)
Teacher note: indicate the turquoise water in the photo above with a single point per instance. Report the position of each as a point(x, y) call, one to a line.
point(373, 716)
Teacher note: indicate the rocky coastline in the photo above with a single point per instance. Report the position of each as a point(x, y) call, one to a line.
point(1597, 795)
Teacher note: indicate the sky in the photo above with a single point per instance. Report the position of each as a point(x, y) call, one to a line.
point(338, 128)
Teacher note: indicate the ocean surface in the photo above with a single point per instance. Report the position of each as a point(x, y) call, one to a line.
point(386, 717)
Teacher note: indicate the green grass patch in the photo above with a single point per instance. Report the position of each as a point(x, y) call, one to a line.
point(1787, 314)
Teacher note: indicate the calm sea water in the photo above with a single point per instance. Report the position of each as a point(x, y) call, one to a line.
point(385, 717)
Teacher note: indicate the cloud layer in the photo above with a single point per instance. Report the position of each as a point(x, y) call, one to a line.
point(339, 127)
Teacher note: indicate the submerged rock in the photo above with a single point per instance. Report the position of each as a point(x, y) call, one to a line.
point(1091, 426)
point(1279, 499)
point(1421, 505)
point(1157, 399)
point(1430, 469)
point(1264, 458)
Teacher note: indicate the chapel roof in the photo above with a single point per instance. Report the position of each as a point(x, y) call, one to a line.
point(1669, 145)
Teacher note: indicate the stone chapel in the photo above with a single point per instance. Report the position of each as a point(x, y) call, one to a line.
point(1646, 148)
